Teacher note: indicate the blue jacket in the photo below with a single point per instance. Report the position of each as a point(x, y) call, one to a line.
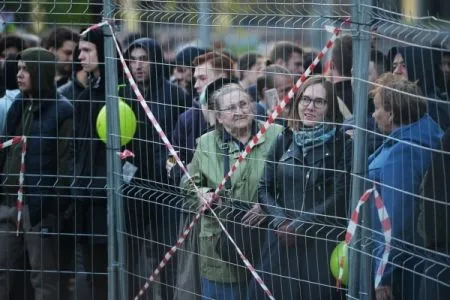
point(398, 168)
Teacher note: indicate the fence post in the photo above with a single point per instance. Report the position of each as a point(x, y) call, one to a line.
point(116, 253)
point(204, 31)
point(359, 263)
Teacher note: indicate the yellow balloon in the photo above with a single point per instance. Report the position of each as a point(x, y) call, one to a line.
point(338, 252)
point(127, 121)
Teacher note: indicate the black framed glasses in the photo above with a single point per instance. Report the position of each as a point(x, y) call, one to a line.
point(318, 102)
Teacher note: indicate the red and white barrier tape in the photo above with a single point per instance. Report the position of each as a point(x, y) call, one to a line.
point(387, 232)
point(243, 155)
point(19, 204)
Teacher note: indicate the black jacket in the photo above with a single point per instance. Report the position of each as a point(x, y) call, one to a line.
point(308, 188)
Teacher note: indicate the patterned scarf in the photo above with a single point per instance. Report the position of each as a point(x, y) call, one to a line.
point(308, 138)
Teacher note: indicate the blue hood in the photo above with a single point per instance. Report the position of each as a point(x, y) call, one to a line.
point(158, 68)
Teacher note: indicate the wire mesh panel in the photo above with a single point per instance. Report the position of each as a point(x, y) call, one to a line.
point(223, 150)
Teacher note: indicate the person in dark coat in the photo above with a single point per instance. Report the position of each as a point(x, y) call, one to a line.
point(154, 216)
point(45, 118)
point(423, 66)
point(73, 88)
point(304, 189)
point(192, 123)
point(433, 224)
point(90, 164)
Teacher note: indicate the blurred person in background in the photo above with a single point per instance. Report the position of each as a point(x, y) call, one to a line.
point(250, 67)
point(433, 224)
point(154, 218)
point(43, 115)
point(341, 72)
point(288, 55)
point(11, 44)
point(234, 128)
point(183, 72)
point(377, 65)
point(196, 120)
point(308, 58)
point(61, 41)
point(444, 82)
point(305, 187)
point(79, 80)
point(423, 66)
point(397, 167)
point(9, 69)
point(278, 78)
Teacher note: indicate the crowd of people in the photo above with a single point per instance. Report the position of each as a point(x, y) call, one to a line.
point(287, 204)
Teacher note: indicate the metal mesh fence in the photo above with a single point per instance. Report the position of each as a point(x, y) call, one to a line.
point(223, 150)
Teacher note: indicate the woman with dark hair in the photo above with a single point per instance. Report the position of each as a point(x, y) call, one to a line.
point(305, 188)
point(424, 66)
point(397, 167)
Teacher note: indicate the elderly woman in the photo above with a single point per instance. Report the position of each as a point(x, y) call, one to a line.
point(397, 167)
point(305, 187)
point(234, 128)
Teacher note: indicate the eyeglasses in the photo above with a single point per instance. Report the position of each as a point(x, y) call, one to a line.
point(243, 105)
point(318, 102)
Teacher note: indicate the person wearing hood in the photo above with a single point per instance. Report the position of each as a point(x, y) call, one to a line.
point(423, 66)
point(183, 73)
point(397, 168)
point(90, 163)
point(73, 88)
point(11, 89)
point(155, 217)
point(45, 117)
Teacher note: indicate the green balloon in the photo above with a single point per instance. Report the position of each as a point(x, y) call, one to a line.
point(338, 252)
point(127, 121)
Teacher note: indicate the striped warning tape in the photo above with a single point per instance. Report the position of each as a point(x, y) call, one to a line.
point(243, 155)
point(386, 227)
point(19, 203)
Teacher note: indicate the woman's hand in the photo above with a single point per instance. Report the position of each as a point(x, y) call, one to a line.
point(255, 216)
point(286, 233)
point(384, 293)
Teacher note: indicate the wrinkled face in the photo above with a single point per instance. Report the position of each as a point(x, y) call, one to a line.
point(64, 56)
point(203, 75)
point(399, 66)
point(295, 64)
point(382, 117)
point(23, 77)
point(139, 65)
point(312, 107)
point(234, 111)
point(183, 76)
point(88, 56)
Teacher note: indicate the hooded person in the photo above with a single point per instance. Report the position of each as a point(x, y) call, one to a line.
point(155, 217)
point(423, 66)
point(45, 118)
point(73, 88)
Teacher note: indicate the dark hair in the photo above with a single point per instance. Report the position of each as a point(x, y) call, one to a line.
point(10, 72)
point(379, 60)
point(308, 58)
point(333, 113)
point(401, 97)
point(220, 62)
point(341, 55)
point(267, 81)
point(283, 50)
point(57, 37)
point(247, 61)
point(12, 40)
